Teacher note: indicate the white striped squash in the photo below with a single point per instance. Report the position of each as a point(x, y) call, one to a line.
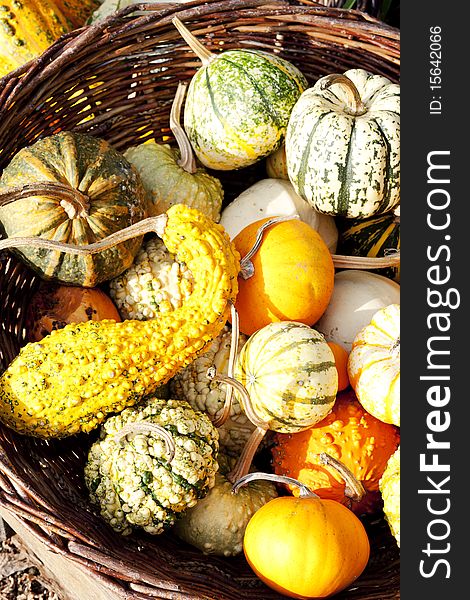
point(343, 145)
point(374, 365)
point(289, 372)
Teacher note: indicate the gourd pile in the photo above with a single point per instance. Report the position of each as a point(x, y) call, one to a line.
point(195, 332)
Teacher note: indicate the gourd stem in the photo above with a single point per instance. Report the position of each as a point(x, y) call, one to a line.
point(204, 55)
point(247, 269)
point(305, 492)
point(245, 459)
point(342, 261)
point(353, 487)
point(356, 106)
point(156, 224)
point(142, 427)
point(241, 389)
point(187, 160)
point(74, 202)
point(230, 367)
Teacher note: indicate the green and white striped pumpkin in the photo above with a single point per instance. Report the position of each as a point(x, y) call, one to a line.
point(238, 104)
point(289, 372)
point(343, 145)
point(371, 237)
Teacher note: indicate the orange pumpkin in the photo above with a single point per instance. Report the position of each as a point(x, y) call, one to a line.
point(54, 306)
point(293, 275)
point(349, 434)
point(306, 547)
point(374, 365)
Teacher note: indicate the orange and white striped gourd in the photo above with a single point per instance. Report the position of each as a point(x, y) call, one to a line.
point(374, 365)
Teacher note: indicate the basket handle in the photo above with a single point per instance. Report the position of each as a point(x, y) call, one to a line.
point(77, 202)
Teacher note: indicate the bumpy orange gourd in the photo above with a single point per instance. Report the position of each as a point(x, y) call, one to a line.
point(293, 275)
point(351, 435)
point(374, 365)
point(306, 547)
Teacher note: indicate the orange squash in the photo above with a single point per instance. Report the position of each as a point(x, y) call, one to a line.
point(54, 306)
point(349, 434)
point(374, 365)
point(306, 547)
point(292, 277)
point(341, 361)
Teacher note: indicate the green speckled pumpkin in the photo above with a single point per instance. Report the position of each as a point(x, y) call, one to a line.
point(238, 104)
point(289, 372)
point(371, 237)
point(343, 145)
point(111, 197)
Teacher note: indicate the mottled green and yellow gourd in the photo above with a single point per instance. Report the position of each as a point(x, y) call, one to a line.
point(74, 377)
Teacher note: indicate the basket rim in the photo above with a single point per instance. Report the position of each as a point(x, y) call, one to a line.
point(17, 495)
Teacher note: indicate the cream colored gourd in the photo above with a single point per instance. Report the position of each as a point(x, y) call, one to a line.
point(374, 365)
point(357, 296)
point(272, 198)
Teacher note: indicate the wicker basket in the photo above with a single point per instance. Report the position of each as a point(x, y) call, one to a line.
point(117, 80)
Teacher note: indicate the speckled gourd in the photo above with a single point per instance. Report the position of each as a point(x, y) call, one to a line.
point(74, 377)
point(343, 145)
point(238, 104)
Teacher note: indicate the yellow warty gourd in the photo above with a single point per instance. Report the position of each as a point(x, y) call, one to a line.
point(74, 377)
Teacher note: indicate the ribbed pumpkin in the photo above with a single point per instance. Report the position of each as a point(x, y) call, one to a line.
point(104, 195)
point(238, 104)
point(289, 373)
point(276, 164)
point(343, 145)
point(374, 365)
point(390, 489)
point(371, 237)
point(349, 434)
point(28, 27)
point(293, 275)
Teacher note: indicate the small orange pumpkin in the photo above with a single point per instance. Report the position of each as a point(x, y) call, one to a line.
point(305, 547)
point(292, 276)
point(341, 361)
point(349, 434)
point(374, 365)
point(54, 306)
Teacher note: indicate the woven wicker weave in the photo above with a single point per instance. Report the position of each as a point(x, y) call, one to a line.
point(117, 80)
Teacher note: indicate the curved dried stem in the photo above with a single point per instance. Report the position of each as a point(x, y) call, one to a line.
point(247, 269)
point(342, 261)
point(354, 489)
point(245, 459)
point(305, 492)
point(147, 427)
point(230, 367)
point(204, 55)
point(356, 105)
point(187, 160)
point(74, 202)
point(156, 224)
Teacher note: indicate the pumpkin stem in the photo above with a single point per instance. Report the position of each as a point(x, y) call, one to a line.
point(143, 427)
point(75, 203)
point(230, 367)
point(241, 389)
point(247, 269)
point(245, 459)
point(186, 161)
point(353, 489)
point(356, 106)
point(155, 224)
point(204, 55)
point(305, 492)
point(341, 261)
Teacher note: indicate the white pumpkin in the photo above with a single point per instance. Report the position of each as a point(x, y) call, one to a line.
point(357, 296)
point(272, 198)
